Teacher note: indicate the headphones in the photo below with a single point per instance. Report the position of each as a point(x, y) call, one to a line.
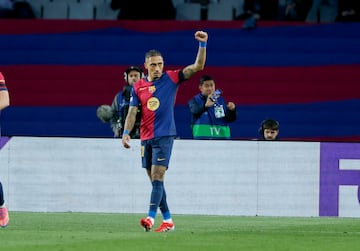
point(272, 123)
point(133, 68)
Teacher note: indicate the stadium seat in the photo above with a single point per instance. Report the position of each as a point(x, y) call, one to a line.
point(38, 1)
point(103, 11)
point(238, 6)
point(94, 2)
point(223, 11)
point(65, 1)
point(55, 10)
point(37, 9)
point(188, 11)
point(323, 13)
point(177, 2)
point(37, 6)
point(81, 10)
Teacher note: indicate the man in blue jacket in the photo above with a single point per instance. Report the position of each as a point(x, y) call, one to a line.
point(211, 114)
point(117, 112)
point(120, 104)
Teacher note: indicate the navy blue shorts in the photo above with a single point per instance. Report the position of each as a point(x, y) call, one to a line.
point(156, 151)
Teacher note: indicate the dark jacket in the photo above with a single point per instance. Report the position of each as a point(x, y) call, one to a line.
point(120, 106)
point(205, 122)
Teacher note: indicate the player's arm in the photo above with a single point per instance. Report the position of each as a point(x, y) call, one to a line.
point(129, 124)
point(199, 63)
point(4, 99)
point(130, 118)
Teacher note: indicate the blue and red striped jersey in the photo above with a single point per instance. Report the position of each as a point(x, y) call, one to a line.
point(157, 101)
point(2, 83)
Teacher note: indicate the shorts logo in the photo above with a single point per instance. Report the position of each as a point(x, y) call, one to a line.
point(161, 159)
point(153, 104)
point(142, 151)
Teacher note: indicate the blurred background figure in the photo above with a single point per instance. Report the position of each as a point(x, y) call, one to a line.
point(254, 10)
point(295, 10)
point(16, 9)
point(269, 129)
point(323, 11)
point(349, 11)
point(6, 9)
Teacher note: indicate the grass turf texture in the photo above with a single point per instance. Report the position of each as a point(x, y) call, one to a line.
point(100, 232)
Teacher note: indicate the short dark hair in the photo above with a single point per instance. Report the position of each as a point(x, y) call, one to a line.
point(270, 124)
point(152, 53)
point(132, 68)
point(205, 78)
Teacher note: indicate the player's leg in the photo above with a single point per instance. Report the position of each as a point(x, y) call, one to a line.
point(164, 207)
point(4, 215)
point(156, 174)
point(164, 154)
point(1, 195)
point(149, 150)
point(160, 155)
point(146, 156)
point(167, 224)
point(157, 177)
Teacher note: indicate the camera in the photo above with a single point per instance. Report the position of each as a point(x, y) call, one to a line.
point(215, 95)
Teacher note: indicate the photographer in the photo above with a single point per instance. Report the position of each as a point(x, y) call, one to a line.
point(211, 114)
point(117, 112)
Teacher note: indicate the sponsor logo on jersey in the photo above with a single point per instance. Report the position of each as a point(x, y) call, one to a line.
point(153, 104)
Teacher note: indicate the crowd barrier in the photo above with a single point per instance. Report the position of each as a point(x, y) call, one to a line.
point(307, 179)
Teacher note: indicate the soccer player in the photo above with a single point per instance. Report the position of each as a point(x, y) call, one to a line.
point(4, 102)
point(156, 94)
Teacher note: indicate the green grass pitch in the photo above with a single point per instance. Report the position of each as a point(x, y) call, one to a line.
point(106, 232)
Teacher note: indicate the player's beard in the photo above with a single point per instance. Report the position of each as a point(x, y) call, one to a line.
point(156, 75)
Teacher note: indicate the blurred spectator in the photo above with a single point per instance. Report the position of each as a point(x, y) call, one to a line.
point(296, 10)
point(6, 9)
point(348, 11)
point(15, 9)
point(254, 10)
point(144, 10)
point(177, 2)
point(23, 9)
point(262, 9)
point(323, 11)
